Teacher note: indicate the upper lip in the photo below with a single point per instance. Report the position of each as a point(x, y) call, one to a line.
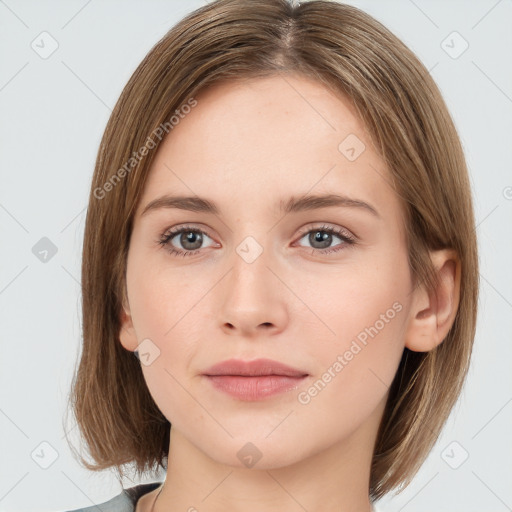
point(256, 367)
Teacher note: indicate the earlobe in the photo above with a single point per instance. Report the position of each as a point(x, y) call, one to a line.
point(127, 335)
point(432, 315)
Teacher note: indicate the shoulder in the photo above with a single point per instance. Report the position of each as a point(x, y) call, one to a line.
point(123, 502)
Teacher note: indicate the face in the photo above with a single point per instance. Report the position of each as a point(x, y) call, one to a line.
point(257, 270)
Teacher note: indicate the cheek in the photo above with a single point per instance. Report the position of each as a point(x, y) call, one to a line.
point(162, 299)
point(344, 304)
point(355, 370)
point(176, 339)
point(362, 317)
point(165, 305)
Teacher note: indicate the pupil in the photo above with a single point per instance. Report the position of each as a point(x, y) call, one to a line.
point(188, 237)
point(323, 237)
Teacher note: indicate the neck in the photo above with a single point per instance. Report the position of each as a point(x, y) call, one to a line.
point(334, 479)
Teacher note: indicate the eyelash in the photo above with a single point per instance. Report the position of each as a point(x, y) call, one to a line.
point(343, 235)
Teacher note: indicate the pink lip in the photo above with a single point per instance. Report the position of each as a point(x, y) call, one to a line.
point(253, 380)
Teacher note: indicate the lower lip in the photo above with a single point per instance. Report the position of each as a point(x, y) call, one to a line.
point(254, 388)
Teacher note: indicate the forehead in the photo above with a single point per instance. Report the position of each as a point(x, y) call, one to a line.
point(286, 115)
point(263, 140)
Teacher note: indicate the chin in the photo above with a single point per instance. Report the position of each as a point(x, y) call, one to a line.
point(256, 453)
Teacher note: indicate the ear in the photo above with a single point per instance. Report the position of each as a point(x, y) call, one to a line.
point(127, 335)
point(432, 315)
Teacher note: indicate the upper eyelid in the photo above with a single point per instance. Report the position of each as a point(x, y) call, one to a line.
point(341, 229)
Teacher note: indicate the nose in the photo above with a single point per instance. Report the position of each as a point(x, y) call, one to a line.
point(253, 299)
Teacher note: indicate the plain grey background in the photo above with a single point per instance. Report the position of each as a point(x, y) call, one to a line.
point(54, 108)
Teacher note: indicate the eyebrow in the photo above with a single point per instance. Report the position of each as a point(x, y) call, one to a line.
point(293, 205)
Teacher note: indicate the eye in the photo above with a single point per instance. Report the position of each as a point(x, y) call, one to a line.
point(322, 237)
point(190, 239)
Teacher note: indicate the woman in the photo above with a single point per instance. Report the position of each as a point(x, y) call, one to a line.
point(281, 229)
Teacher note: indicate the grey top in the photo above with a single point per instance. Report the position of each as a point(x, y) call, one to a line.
point(127, 500)
point(124, 502)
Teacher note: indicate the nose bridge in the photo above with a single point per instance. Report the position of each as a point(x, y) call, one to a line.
point(252, 299)
point(250, 275)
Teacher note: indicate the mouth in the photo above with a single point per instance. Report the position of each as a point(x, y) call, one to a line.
point(254, 380)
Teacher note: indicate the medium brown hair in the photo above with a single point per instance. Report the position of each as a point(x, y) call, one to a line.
point(354, 55)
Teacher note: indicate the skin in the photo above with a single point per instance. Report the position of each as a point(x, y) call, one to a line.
point(247, 146)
